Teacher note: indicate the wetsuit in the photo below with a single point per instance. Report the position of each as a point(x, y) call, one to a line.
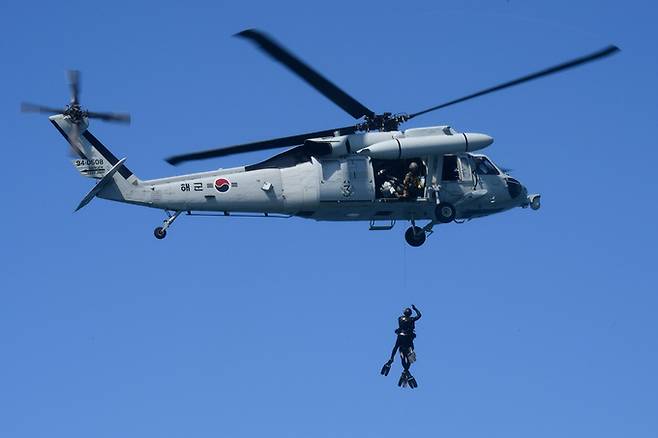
point(405, 339)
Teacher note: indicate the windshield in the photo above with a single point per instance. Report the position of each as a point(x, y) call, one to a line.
point(484, 167)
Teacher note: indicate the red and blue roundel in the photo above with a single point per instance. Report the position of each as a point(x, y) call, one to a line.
point(222, 185)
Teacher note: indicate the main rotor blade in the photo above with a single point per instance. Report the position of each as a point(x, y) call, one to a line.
point(109, 117)
point(353, 107)
point(548, 71)
point(74, 84)
point(34, 108)
point(274, 143)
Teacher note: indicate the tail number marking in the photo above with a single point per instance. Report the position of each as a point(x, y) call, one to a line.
point(92, 162)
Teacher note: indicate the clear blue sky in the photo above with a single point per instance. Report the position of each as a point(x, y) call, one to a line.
point(536, 324)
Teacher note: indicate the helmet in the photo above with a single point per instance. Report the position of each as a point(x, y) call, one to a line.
point(407, 312)
point(413, 166)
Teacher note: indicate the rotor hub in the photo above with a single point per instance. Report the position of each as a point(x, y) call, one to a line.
point(383, 122)
point(75, 112)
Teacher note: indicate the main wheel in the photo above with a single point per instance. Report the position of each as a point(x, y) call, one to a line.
point(160, 233)
point(445, 213)
point(415, 236)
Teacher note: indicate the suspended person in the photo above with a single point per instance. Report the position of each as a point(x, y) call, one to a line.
point(405, 344)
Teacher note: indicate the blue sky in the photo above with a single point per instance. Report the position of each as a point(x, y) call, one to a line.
point(535, 324)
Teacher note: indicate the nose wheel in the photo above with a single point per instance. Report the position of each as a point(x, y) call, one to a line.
point(415, 236)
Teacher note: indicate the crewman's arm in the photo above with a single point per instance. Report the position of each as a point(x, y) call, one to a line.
point(418, 315)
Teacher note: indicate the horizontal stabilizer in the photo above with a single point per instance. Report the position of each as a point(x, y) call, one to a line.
point(99, 186)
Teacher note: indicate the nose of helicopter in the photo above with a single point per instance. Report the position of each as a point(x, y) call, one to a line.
point(477, 141)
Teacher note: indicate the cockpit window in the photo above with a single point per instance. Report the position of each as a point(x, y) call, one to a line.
point(450, 169)
point(484, 167)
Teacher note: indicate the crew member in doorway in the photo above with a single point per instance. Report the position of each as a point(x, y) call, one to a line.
point(405, 344)
point(411, 182)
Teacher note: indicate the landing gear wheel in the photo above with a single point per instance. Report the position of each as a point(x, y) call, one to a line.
point(160, 233)
point(445, 213)
point(415, 236)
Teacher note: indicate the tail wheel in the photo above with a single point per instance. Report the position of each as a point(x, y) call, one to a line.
point(160, 233)
point(445, 213)
point(415, 236)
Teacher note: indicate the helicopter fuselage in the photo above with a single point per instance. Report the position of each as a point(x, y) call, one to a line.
point(338, 179)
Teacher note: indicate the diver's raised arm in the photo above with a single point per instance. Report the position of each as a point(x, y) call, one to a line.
point(418, 314)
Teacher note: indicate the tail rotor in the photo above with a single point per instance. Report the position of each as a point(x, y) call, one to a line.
point(74, 110)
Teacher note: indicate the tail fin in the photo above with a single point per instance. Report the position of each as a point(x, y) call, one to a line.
point(116, 181)
point(94, 159)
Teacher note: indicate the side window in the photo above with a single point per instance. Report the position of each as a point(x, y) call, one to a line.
point(484, 167)
point(450, 169)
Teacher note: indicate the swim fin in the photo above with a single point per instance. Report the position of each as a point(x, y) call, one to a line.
point(402, 383)
point(406, 379)
point(386, 368)
point(411, 380)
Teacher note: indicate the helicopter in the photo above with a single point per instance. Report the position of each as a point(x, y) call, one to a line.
point(367, 171)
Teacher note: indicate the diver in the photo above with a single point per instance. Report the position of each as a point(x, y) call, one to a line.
point(405, 344)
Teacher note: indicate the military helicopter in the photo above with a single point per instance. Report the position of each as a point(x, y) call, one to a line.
point(352, 173)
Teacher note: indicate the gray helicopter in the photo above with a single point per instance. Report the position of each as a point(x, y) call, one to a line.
point(368, 171)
